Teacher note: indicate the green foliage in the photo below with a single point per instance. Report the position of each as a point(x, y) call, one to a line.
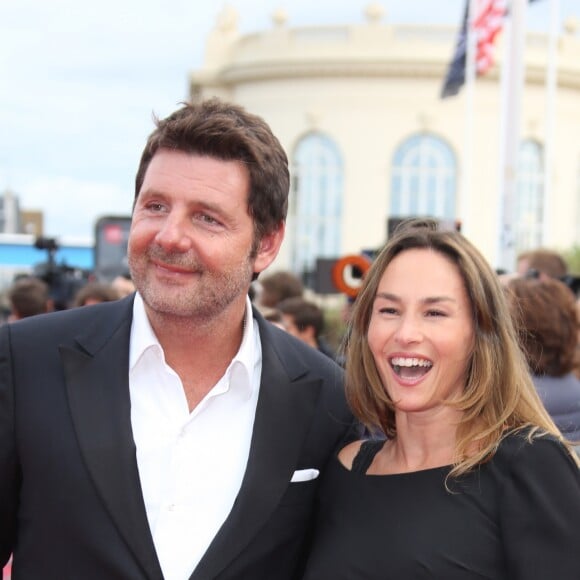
point(572, 257)
point(334, 326)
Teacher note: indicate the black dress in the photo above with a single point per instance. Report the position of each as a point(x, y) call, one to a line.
point(517, 517)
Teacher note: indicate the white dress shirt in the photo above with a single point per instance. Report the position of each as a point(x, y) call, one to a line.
point(191, 465)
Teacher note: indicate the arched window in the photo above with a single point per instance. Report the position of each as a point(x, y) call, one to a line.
point(423, 179)
point(315, 202)
point(529, 207)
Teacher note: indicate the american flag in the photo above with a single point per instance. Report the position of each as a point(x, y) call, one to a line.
point(487, 22)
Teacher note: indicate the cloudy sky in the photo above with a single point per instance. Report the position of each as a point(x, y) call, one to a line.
point(80, 80)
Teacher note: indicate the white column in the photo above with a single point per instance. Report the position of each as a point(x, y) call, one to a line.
point(512, 90)
point(470, 74)
point(550, 114)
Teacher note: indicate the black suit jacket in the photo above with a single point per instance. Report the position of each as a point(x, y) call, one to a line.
point(71, 506)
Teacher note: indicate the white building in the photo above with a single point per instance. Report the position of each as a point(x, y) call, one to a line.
point(10, 219)
point(358, 110)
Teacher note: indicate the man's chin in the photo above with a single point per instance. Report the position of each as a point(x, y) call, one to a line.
point(170, 303)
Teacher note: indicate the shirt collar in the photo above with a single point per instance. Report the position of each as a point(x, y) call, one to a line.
point(241, 369)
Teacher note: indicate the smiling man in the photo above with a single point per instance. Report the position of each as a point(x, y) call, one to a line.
point(172, 434)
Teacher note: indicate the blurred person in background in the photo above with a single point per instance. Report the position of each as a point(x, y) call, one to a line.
point(273, 288)
point(28, 296)
point(577, 355)
point(95, 293)
point(547, 263)
point(274, 316)
point(544, 263)
point(123, 285)
point(305, 320)
point(547, 321)
point(540, 262)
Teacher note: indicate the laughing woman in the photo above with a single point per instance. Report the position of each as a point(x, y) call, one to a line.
point(473, 479)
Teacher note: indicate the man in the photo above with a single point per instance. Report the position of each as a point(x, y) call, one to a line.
point(545, 262)
point(274, 288)
point(305, 320)
point(28, 296)
point(173, 433)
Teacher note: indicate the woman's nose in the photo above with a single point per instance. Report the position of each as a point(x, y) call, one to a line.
point(409, 330)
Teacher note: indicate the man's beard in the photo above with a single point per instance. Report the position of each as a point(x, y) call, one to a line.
point(205, 297)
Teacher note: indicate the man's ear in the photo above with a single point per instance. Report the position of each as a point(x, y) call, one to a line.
point(269, 248)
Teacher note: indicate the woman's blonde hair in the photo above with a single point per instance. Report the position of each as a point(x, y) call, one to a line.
point(499, 395)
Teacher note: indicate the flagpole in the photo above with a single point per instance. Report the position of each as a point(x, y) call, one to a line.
point(513, 77)
point(470, 74)
point(551, 86)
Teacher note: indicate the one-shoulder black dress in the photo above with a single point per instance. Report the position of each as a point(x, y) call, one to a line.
point(516, 517)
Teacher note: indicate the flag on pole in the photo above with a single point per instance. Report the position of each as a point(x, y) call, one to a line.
point(456, 71)
point(486, 23)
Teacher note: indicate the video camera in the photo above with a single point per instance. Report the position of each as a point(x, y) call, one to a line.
point(63, 281)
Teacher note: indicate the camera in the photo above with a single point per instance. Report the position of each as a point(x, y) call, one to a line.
point(571, 280)
point(63, 281)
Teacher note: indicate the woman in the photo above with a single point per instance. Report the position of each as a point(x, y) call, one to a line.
point(473, 479)
point(547, 323)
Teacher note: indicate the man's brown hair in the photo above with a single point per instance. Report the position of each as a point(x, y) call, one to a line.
point(226, 131)
point(546, 262)
point(29, 296)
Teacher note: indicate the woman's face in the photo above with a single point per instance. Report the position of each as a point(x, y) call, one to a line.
point(421, 331)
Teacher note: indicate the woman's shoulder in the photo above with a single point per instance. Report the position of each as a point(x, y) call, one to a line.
point(358, 455)
point(347, 454)
point(532, 447)
point(521, 440)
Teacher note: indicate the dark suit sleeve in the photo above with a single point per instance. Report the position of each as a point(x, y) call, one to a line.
point(9, 469)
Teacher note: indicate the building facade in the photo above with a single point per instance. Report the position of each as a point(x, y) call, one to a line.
point(10, 215)
point(358, 110)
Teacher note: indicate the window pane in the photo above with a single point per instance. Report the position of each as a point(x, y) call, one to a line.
point(315, 219)
point(424, 178)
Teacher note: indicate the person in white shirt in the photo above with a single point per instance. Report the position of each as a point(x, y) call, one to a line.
point(174, 433)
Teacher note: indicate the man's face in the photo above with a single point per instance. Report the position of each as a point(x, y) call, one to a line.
point(290, 325)
point(191, 236)
point(305, 334)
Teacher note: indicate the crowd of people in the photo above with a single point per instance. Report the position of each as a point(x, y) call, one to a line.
point(281, 298)
point(546, 316)
point(200, 427)
point(30, 295)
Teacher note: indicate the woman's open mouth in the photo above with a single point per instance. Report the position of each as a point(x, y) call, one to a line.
point(410, 367)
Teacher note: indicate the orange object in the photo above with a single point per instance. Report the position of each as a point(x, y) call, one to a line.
point(342, 266)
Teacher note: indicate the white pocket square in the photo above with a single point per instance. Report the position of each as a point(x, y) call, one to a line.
point(304, 475)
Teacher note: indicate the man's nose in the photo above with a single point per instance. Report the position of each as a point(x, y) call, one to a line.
point(175, 232)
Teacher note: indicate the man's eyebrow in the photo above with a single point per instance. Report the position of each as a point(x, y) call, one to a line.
point(202, 204)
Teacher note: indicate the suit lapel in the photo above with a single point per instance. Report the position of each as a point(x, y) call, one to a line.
point(97, 383)
point(283, 416)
